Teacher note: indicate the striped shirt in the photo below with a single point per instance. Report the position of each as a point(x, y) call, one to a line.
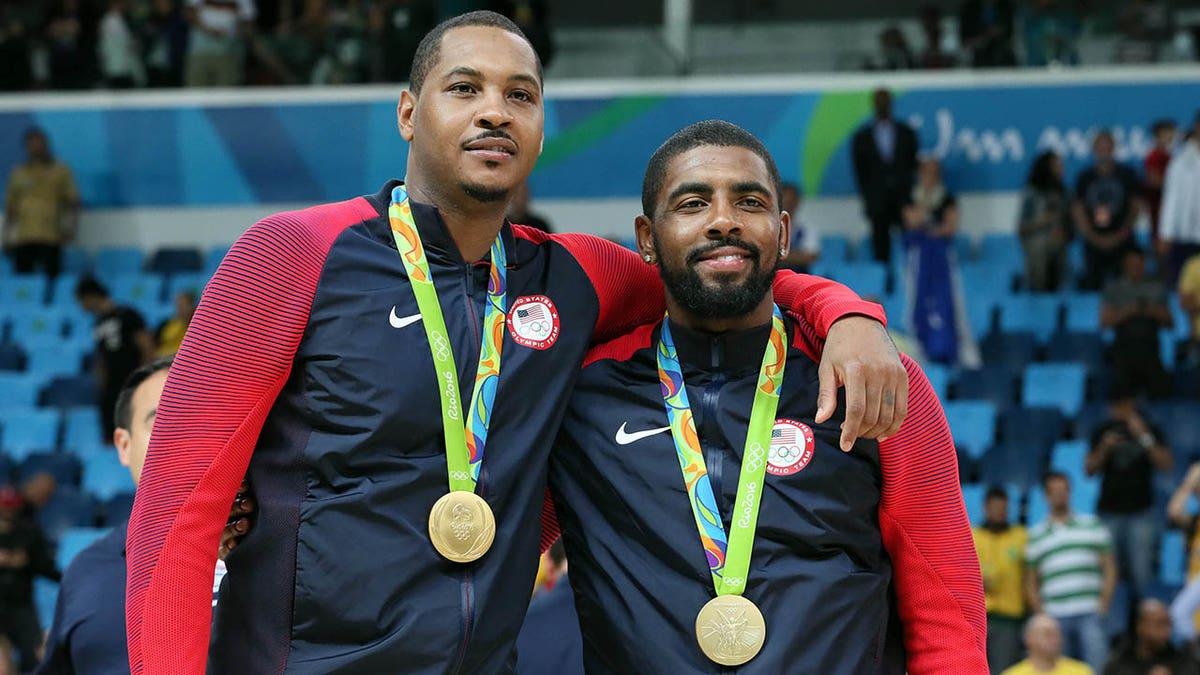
point(1066, 557)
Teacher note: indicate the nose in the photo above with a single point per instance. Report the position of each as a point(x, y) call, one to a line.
point(493, 111)
point(726, 219)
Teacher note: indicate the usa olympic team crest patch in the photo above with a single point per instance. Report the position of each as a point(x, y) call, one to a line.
point(791, 447)
point(533, 322)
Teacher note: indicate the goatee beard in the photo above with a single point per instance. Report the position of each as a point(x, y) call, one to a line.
point(717, 302)
point(484, 194)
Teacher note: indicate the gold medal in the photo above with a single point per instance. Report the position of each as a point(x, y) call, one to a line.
point(730, 630)
point(461, 526)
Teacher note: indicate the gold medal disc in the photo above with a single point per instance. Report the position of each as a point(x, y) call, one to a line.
point(730, 630)
point(461, 526)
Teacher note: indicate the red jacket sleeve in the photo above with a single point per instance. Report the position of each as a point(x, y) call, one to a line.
point(939, 589)
point(630, 292)
point(235, 358)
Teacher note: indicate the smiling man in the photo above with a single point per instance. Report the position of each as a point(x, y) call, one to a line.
point(393, 370)
point(722, 525)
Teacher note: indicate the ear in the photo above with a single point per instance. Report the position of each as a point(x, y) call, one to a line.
point(405, 110)
point(785, 233)
point(645, 238)
point(122, 440)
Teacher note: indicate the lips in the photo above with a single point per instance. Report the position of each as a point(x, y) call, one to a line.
point(492, 147)
point(725, 254)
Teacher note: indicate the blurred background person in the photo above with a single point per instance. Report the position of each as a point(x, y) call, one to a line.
point(1045, 224)
point(122, 344)
point(221, 31)
point(1001, 548)
point(1136, 307)
point(1106, 206)
point(884, 153)
point(41, 208)
point(169, 335)
point(1179, 217)
point(938, 308)
point(1154, 166)
point(1150, 646)
point(806, 241)
point(24, 554)
point(1043, 641)
point(985, 29)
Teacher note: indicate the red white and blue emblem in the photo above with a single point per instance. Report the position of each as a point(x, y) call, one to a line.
point(533, 322)
point(791, 447)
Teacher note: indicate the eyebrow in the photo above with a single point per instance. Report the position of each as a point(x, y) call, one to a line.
point(153, 412)
point(700, 188)
point(751, 186)
point(472, 72)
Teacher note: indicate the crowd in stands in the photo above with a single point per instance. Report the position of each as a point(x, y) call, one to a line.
point(119, 44)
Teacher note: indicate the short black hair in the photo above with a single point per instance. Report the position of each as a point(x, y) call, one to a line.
point(717, 133)
point(1054, 475)
point(430, 45)
point(90, 286)
point(33, 132)
point(995, 492)
point(1162, 125)
point(123, 410)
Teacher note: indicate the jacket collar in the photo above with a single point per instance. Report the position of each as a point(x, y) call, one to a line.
point(435, 237)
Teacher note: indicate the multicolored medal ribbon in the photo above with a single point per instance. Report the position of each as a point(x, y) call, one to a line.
point(729, 628)
point(461, 524)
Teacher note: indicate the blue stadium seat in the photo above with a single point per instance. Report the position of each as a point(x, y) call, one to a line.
point(117, 509)
point(1036, 314)
point(1036, 509)
point(1085, 492)
point(74, 540)
point(1012, 350)
point(79, 327)
point(1171, 559)
point(104, 476)
point(1082, 312)
point(67, 391)
point(1086, 348)
point(973, 425)
point(68, 508)
point(17, 389)
point(1179, 420)
point(82, 428)
point(45, 596)
point(864, 278)
point(75, 261)
point(62, 295)
point(23, 291)
point(1182, 320)
point(1002, 250)
point(973, 500)
point(6, 268)
point(28, 430)
point(115, 261)
point(38, 327)
point(46, 361)
point(834, 249)
point(175, 260)
point(1040, 427)
point(1186, 382)
point(213, 258)
point(12, 357)
point(1068, 456)
point(939, 379)
point(137, 290)
point(7, 470)
point(985, 282)
point(64, 467)
point(997, 384)
point(192, 283)
point(981, 314)
point(1055, 384)
point(1089, 418)
point(1010, 464)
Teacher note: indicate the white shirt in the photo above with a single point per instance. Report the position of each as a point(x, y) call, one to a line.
point(1179, 216)
point(222, 16)
point(118, 49)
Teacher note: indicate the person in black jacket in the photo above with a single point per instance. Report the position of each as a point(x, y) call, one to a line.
point(884, 152)
point(23, 556)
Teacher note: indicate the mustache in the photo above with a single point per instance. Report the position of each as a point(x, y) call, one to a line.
point(732, 241)
point(493, 133)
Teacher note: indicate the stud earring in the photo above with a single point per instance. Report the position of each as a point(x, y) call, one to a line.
point(647, 257)
point(781, 251)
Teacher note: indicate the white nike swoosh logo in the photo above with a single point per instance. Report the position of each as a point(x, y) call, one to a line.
point(401, 322)
point(625, 438)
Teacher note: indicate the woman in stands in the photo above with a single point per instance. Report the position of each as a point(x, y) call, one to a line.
point(936, 308)
point(1044, 224)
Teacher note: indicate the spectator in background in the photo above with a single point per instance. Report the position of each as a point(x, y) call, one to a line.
point(884, 153)
point(1070, 573)
point(217, 45)
point(170, 334)
point(396, 28)
point(806, 241)
point(1001, 548)
point(8, 664)
point(1045, 224)
point(41, 208)
point(1136, 308)
point(88, 632)
point(1145, 26)
point(532, 18)
point(934, 57)
point(985, 29)
point(939, 313)
point(1155, 169)
point(1184, 616)
point(1105, 208)
point(1151, 646)
point(122, 344)
point(518, 210)
point(120, 53)
point(1189, 299)
point(1051, 33)
point(1179, 217)
point(165, 34)
point(17, 73)
point(1126, 451)
point(24, 555)
point(70, 39)
point(1043, 640)
point(550, 642)
point(894, 52)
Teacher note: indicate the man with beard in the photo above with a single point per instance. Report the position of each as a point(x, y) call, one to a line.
point(837, 562)
point(384, 540)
